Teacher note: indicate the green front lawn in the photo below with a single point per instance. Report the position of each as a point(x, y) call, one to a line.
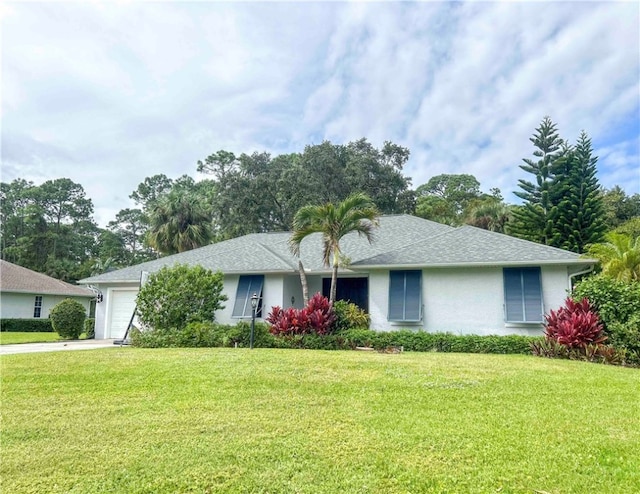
point(234, 420)
point(8, 338)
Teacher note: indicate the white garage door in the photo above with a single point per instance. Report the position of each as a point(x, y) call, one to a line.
point(123, 303)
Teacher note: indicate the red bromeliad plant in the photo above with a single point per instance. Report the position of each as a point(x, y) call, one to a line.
point(576, 325)
point(317, 317)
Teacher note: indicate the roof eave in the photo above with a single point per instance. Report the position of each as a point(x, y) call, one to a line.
point(45, 292)
point(564, 262)
point(89, 281)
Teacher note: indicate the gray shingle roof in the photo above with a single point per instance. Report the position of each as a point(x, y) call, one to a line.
point(401, 240)
point(14, 278)
point(468, 245)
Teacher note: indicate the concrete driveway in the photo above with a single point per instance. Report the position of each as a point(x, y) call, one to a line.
point(56, 346)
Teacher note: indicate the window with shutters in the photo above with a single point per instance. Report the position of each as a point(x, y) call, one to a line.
point(247, 286)
point(405, 296)
point(523, 295)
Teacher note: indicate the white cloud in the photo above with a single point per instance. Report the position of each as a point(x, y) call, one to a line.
point(108, 94)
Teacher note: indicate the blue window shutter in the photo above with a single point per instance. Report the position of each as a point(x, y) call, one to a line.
point(405, 297)
point(247, 286)
point(513, 294)
point(532, 294)
point(396, 295)
point(413, 298)
point(523, 294)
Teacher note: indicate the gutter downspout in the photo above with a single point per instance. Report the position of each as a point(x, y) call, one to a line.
point(572, 276)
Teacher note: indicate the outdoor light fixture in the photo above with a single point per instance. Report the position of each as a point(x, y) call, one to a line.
point(99, 297)
point(254, 305)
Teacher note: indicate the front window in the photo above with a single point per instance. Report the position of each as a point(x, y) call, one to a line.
point(405, 296)
point(247, 286)
point(37, 308)
point(523, 295)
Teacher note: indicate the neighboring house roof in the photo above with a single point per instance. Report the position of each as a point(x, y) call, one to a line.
point(400, 241)
point(16, 279)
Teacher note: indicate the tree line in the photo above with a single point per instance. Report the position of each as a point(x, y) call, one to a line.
point(50, 227)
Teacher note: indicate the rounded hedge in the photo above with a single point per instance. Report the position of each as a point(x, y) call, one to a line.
point(67, 318)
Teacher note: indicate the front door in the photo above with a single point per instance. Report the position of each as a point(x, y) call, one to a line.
point(354, 290)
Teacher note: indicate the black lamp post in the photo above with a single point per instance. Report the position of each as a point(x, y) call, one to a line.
point(254, 305)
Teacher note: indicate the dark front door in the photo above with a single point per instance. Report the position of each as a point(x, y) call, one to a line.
point(354, 290)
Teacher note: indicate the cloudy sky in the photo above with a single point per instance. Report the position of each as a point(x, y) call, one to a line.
point(108, 93)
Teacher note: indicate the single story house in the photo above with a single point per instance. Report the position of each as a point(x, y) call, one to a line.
point(26, 294)
point(417, 274)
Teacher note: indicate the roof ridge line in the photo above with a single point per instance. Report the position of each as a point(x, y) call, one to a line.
point(476, 228)
point(272, 252)
point(437, 235)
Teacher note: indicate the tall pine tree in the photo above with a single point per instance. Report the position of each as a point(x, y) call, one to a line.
point(578, 213)
point(563, 207)
point(533, 220)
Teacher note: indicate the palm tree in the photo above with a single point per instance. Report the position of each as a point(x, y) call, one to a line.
point(179, 221)
point(357, 213)
point(100, 266)
point(619, 256)
point(489, 215)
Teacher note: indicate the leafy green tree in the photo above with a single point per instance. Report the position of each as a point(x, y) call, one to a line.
point(179, 221)
point(150, 189)
point(258, 192)
point(577, 215)
point(619, 207)
point(63, 201)
point(377, 173)
point(630, 227)
point(533, 221)
point(178, 295)
point(14, 211)
point(48, 228)
point(357, 213)
point(619, 257)
point(131, 226)
point(445, 198)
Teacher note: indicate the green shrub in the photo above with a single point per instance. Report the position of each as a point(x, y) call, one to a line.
point(618, 305)
point(423, 341)
point(26, 325)
point(349, 316)
point(67, 318)
point(90, 328)
point(627, 335)
point(240, 334)
point(358, 337)
point(208, 334)
point(178, 295)
point(615, 301)
point(205, 334)
point(158, 338)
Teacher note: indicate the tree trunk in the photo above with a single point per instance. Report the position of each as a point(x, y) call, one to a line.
point(303, 281)
point(334, 279)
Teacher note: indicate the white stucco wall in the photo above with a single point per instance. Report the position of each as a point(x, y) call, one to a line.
point(21, 305)
point(465, 300)
point(292, 287)
point(456, 300)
